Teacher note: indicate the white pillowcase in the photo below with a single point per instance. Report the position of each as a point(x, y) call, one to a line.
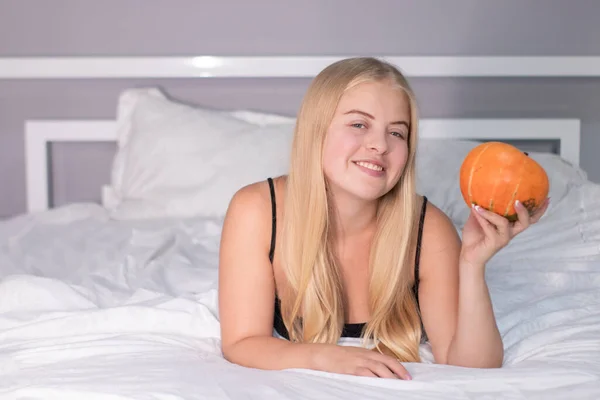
point(174, 160)
point(262, 119)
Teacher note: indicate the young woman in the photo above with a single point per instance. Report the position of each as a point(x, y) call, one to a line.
point(343, 247)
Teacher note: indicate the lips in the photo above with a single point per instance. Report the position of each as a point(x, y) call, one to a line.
point(370, 164)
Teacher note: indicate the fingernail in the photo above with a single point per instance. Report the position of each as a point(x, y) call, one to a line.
point(478, 209)
point(517, 203)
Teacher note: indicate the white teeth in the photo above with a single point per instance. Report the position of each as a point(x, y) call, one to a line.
point(369, 165)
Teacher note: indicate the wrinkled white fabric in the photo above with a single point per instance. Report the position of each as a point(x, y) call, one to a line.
point(101, 309)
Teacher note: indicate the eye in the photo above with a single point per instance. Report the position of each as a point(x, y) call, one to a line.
point(400, 135)
point(358, 125)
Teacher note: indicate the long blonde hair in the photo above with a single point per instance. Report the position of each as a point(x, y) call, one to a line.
point(311, 304)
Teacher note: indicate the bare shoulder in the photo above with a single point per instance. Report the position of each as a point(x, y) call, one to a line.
point(250, 210)
point(253, 197)
point(439, 232)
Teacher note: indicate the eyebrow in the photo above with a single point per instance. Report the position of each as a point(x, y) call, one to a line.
point(354, 111)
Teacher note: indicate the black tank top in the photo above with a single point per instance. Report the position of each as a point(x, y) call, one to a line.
point(349, 330)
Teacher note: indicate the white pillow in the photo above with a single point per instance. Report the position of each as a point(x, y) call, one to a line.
point(178, 160)
point(261, 118)
point(174, 160)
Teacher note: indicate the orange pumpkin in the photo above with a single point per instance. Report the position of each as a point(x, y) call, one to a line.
point(494, 175)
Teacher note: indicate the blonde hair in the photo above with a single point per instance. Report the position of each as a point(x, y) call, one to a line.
point(311, 304)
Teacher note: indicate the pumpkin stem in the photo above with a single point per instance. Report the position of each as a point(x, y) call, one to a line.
point(526, 153)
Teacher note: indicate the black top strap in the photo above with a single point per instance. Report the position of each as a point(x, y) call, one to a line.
point(418, 250)
point(274, 219)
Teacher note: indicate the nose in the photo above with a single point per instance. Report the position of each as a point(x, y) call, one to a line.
point(376, 140)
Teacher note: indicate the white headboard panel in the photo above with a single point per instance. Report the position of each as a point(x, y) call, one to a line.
point(207, 66)
point(40, 133)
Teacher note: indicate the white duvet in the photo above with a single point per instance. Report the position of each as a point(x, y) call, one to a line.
point(92, 308)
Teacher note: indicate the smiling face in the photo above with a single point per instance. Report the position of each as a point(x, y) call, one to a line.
point(366, 145)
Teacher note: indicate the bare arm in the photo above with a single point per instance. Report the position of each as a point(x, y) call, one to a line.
point(455, 303)
point(247, 288)
point(247, 295)
point(477, 341)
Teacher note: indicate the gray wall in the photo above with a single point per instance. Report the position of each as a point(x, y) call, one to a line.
point(261, 27)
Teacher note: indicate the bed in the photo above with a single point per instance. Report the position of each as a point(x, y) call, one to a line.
point(118, 299)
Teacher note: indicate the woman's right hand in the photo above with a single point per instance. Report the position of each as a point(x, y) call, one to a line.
point(358, 361)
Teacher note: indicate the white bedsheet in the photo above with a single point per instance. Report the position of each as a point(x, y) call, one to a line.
point(97, 309)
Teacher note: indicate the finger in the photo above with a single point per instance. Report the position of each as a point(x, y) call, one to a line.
point(540, 211)
point(399, 370)
point(396, 367)
point(488, 228)
point(531, 219)
point(522, 213)
point(523, 219)
point(365, 372)
point(500, 222)
point(380, 369)
point(500, 234)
